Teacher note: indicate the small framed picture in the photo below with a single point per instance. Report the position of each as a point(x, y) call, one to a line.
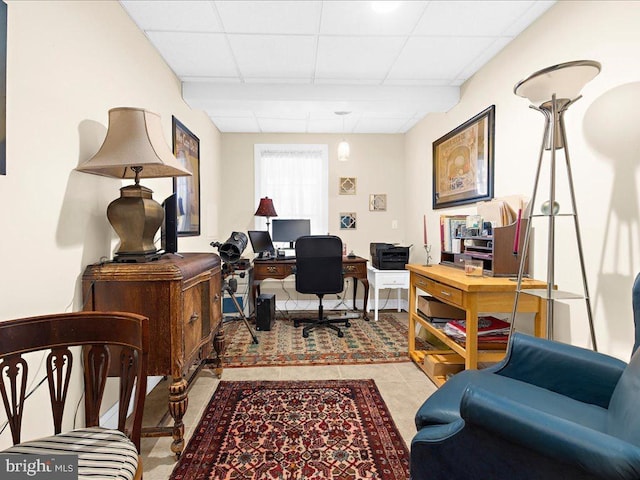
point(348, 221)
point(378, 202)
point(347, 186)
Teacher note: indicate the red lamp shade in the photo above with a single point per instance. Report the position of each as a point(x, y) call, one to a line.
point(266, 208)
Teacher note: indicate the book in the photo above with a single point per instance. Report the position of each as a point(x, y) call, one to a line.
point(487, 326)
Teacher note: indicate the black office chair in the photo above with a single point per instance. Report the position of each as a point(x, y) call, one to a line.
point(319, 271)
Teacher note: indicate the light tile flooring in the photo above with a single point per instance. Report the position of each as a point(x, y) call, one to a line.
point(403, 386)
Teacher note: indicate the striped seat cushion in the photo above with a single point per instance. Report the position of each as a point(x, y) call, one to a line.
point(102, 453)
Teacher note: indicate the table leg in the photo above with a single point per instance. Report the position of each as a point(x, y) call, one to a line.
point(178, 402)
point(365, 282)
point(376, 296)
point(398, 291)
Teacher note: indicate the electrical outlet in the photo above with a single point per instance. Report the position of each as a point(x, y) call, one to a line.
point(394, 224)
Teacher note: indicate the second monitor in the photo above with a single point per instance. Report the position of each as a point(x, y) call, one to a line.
point(289, 230)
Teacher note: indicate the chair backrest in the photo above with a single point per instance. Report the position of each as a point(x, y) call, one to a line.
point(635, 300)
point(113, 344)
point(319, 264)
point(623, 417)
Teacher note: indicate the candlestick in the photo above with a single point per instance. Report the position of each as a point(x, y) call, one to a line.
point(424, 223)
point(427, 249)
point(516, 238)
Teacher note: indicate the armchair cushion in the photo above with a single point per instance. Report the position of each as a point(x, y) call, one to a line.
point(102, 453)
point(624, 420)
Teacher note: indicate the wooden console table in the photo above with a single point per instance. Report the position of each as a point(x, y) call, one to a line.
point(475, 295)
point(355, 268)
point(181, 297)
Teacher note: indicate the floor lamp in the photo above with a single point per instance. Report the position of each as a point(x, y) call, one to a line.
point(551, 91)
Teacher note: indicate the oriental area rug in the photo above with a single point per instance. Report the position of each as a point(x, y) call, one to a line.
point(295, 430)
point(364, 342)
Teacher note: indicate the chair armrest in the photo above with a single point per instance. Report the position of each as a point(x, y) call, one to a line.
point(573, 371)
point(595, 452)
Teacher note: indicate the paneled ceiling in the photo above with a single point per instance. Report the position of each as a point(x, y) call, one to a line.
point(288, 66)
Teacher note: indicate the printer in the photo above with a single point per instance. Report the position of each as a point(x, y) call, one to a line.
point(386, 256)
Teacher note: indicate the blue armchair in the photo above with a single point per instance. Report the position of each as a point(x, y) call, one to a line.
point(548, 411)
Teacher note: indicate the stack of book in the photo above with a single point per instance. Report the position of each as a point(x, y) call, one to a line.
point(492, 332)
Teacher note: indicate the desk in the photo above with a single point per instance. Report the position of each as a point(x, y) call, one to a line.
point(398, 279)
point(355, 268)
point(474, 295)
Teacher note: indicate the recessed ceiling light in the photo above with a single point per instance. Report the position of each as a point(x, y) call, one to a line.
point(380, 6)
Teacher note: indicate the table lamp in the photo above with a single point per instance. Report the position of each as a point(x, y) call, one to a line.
point(551, 91)
point(134, 148)
point(266, 209)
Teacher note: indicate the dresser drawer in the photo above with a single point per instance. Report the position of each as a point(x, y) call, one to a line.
point(443, 292)
point(193, 318)
point(393, 280)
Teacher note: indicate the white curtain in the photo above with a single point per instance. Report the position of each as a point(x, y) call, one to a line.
point(296, 178)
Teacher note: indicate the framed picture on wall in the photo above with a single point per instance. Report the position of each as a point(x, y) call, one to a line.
point(186, 148)
point(463, 162)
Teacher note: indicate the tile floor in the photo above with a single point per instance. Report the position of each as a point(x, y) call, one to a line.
point(403, 386)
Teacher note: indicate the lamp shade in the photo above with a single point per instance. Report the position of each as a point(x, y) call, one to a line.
point(266, 208)
point(343, 151)
point(564, 80)
point(134, 138)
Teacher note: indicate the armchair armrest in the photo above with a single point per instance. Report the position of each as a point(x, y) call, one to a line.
point(599, 454)
point(576, 372)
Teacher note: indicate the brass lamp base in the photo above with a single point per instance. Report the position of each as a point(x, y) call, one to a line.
point(136, 217)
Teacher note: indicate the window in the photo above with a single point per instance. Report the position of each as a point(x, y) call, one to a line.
point(296, 178)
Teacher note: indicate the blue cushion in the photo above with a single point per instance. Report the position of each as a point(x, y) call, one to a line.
point(444, 405)
point(624, 420)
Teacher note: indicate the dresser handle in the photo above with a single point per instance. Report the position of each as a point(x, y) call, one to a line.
point(271, 269)
point(216, 298)
point(446, 294)
point(194, 317)
point(350, 268)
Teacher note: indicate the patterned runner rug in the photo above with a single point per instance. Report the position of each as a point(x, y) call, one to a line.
point(364, 342)
point(311, 430)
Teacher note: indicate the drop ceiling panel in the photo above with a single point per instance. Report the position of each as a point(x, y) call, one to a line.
point(196, 54)
point(236, 124)
point(437, 57)
point(274, 56)
point(360, 18)
point(278, 125)
point(351, 58)
point(275, 17)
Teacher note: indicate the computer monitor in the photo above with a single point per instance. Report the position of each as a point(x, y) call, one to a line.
point(290, 230)
point(261, 242)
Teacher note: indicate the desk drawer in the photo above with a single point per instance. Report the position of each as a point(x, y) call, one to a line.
point(273, 270)
point(394, 280)
point(442, 292)
point(356, 269)
point(193, 316)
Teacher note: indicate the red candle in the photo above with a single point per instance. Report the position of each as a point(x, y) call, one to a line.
point(424, 222)
point(516, 238)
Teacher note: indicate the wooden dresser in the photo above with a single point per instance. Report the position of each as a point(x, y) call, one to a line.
point(181, 295)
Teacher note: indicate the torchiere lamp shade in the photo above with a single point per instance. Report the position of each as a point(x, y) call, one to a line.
point(134, 148)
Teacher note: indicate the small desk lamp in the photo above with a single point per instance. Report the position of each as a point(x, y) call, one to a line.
point(266, 209)
point(551, 91)
point(134, 148)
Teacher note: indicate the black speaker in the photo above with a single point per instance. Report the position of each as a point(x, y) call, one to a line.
point(265, 311)
point(169, 232)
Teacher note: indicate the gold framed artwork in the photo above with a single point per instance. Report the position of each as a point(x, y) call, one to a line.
point(463, 162)
point(378, 202)
point(186, 148)
point(347, 186)
point(348, 221)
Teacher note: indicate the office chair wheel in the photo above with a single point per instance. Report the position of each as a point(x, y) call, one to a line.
point(340, 334)
point(296, 323)
point(305, 334)
point(347, 324)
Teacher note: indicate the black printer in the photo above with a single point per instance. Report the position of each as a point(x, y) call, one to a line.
point(386, 256)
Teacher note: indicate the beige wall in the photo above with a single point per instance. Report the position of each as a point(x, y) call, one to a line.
point(68, 64)
point(604, 146)
point(377, 162)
